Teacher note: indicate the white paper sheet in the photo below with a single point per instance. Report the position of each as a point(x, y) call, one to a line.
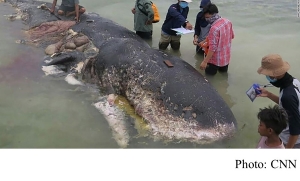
point(183, 31)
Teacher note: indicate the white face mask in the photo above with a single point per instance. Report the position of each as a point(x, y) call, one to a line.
point(209, 20)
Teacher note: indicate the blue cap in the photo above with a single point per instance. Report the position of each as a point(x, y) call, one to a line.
point(203, 3)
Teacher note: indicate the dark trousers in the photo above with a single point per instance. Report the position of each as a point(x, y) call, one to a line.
point(199, 50)
point(144, 35)
point(212, 69)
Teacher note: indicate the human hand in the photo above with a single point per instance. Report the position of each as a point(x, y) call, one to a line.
point(264, 92)
point(195, 41)
point(188, 26)
point(203, 65)
point(148, 22)
point(51, 10)
point(133, 10)
point(203, 43)
point(77, 19)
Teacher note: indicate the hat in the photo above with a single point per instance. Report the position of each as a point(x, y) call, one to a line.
point(188, 1)
point(273, 65)
point(203, 3)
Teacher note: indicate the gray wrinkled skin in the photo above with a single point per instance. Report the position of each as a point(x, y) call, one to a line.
point(178, 103)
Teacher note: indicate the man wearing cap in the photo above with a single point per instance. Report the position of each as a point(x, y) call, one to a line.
point(201, 27)
point(175, 18)
point(275, 70)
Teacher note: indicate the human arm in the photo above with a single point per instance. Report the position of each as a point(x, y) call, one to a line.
point(76, 12)
point(290, 103)
point(197, 29)
point(174, 13)
point(53, 6)
point(203, 64)
point(265, 93)
point(187, 25)
point(195, 41)
point(292, 140)
point(213, 42)
point(133, 10)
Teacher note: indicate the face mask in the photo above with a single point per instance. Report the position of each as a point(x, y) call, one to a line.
point(183, 4)
point(270, 79)
point(211, 20)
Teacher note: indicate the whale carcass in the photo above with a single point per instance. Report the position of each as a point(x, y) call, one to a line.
point(177, 102)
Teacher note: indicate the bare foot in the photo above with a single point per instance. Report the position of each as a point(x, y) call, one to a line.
point(60, 12)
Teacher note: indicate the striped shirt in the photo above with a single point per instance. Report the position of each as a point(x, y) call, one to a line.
point(219, 38)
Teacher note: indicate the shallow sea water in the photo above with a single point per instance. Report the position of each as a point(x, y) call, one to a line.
point(45, 112)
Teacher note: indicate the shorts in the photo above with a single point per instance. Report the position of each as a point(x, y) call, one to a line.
point(212, 69)
point(68, 8)
point(165, 40)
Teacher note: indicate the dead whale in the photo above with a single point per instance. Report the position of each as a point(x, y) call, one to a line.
point(176, 102)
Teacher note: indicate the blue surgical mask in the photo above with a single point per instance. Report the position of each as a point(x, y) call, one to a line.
point(183, 4)
point(270, 79)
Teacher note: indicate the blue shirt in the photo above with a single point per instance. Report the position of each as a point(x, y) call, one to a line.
point(175, 18)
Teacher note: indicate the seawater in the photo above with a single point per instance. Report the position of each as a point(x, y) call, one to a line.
point(45, 112)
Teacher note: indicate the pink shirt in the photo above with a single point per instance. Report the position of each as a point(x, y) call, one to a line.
point(262, 143)
point(219, 38)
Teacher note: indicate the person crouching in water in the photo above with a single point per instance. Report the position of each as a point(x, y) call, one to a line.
point(69, 8)
point(273, 120)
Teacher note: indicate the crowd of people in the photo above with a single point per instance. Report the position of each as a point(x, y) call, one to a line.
point(279, 125)
point(210, 28)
